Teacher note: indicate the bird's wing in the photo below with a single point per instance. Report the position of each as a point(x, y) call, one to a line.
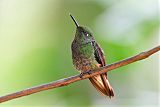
point(100, 82)
point(98, 53)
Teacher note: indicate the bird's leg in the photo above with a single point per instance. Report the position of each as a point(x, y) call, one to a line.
point(84, 72)
point(81, 74)
point(89, 72)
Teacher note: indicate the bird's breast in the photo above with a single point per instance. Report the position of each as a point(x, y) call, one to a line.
point(83, 57)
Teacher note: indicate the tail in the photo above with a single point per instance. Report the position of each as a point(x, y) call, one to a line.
point(102, 84)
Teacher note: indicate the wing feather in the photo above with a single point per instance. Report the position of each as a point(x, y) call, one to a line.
point(101, 82)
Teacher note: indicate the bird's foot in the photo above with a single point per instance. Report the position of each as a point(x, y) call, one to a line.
point(88, 72)
point(85, 72)
point(81, 74)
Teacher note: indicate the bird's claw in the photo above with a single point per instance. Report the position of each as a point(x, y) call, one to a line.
point(82, 73)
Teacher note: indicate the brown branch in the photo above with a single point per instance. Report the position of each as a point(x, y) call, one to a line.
point(66, 81)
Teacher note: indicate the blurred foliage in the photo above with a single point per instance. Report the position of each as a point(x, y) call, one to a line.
point(35, 39)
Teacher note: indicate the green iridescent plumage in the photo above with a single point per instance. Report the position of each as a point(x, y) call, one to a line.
point(87, 55)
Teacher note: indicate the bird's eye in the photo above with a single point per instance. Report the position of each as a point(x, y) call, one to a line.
point(87, 34)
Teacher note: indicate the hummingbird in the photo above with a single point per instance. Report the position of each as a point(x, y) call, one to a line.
point(88, 55)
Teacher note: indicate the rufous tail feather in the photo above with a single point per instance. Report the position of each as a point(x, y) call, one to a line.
point(102, 84)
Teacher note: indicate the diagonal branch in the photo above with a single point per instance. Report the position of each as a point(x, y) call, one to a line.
point(66, 81)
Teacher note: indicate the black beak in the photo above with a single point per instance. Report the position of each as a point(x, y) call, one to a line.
point(74, 20)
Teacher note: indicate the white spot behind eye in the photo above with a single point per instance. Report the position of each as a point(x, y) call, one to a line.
point(87, 34)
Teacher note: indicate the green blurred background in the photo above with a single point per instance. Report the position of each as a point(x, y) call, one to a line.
point(35, 39)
